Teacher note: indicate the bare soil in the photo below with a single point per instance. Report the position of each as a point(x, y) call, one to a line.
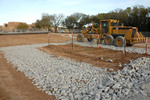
point(14, 85)
point(92, 55)
point(26, 39)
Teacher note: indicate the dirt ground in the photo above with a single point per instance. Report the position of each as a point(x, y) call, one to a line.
point(13, 40)
point(92, 55)
point(16, 86)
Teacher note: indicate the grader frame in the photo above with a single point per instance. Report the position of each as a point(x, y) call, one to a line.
point(111, 33)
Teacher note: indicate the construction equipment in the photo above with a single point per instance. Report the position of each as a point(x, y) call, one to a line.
point(111, 33)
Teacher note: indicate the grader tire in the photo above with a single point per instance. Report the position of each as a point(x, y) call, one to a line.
point(95, 41)
point(108, 40)
point(80, 38)
point(90, 38)
point(120, 41)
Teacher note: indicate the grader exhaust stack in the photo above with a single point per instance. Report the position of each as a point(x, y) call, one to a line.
point(111, 33)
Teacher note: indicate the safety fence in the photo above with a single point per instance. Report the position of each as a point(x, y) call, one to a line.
point(69, 31)
point(36, 31)
point(25, 31)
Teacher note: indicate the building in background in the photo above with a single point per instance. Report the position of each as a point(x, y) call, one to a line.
point(11, 26)
point(1, 27)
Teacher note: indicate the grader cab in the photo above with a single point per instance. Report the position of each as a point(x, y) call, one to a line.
point(111, 33)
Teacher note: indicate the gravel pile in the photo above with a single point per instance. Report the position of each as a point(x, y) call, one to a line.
point(71, 80)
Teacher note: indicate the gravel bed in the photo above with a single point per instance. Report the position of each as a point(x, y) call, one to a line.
point(70, 80)
point(112, 47)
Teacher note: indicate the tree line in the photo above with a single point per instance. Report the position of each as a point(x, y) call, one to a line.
point(137, 16)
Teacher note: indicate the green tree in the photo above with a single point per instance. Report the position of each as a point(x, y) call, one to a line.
point(76, 20)
point(78, 17)
point(143, 14)
point(84, 20)
point(38, 24)
point(69, 22)
point(22, 26)
point(148, 20)
point(95, 18)
point(44, 22)
point(139, 17)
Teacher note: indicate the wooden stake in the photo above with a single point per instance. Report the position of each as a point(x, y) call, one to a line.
point(97, 41)
point(124, 51)
point(146, 45)
point(48, 38)
point(72, 41)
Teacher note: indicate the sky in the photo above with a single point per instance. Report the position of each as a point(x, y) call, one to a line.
point(30, 10)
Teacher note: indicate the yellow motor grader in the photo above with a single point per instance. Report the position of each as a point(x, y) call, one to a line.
point(111, 33)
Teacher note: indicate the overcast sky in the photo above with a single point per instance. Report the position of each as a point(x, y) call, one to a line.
point(30, 10)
